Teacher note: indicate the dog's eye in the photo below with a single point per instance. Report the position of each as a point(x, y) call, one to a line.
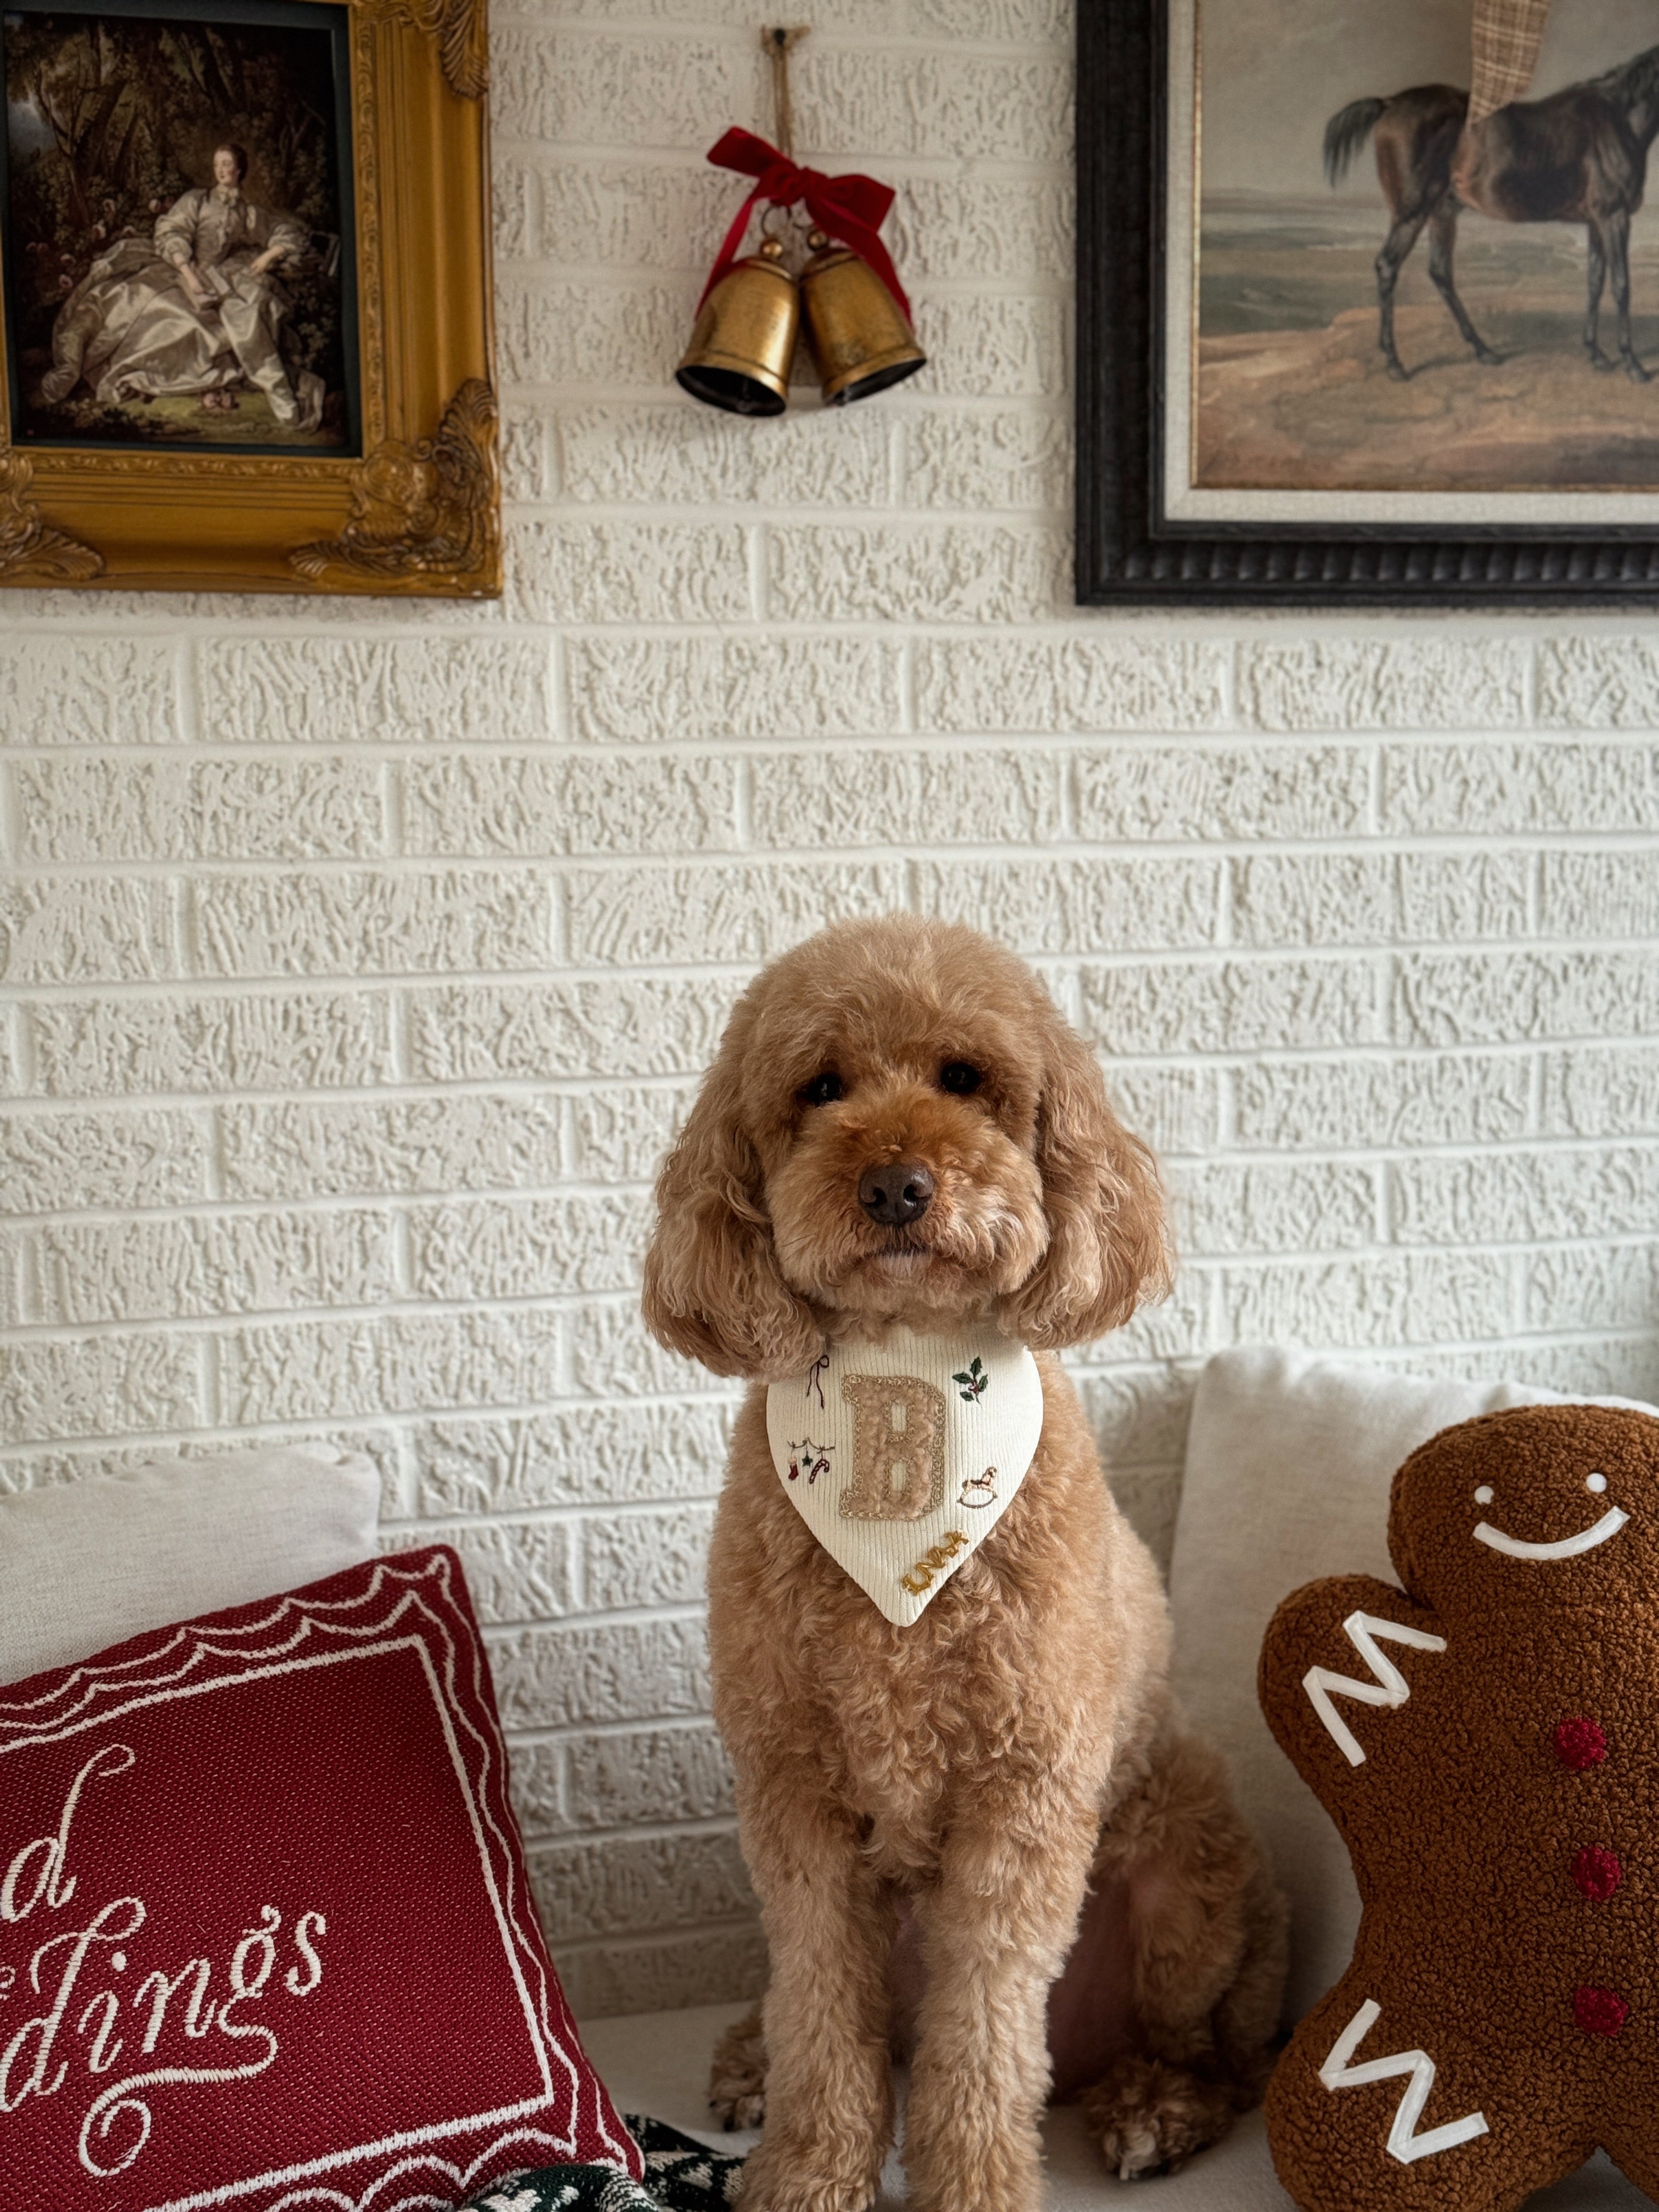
point(958, 1076)
point(822, 1089)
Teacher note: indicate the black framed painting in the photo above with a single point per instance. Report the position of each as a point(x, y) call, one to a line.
point(1343, 340)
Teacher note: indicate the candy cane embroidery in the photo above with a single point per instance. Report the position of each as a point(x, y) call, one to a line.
point(809, 1459)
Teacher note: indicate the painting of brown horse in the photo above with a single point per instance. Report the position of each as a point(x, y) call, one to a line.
point(1579, 156)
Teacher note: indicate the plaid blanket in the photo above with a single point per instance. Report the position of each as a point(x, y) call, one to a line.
point(681, 2175)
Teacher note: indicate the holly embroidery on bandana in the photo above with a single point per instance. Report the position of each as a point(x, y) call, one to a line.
point(973, 1382)
point(902, 1456)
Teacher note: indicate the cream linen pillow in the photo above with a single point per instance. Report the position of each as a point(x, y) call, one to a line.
point(1289, 1461)
point(85, 1565)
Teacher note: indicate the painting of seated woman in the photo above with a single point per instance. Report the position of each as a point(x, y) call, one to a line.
point(178, 248)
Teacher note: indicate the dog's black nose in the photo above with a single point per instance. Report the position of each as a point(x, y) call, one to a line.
point(899, 1192)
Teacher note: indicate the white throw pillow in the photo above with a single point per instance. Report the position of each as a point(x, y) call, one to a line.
point(85, 1565)
point(1289, 1461)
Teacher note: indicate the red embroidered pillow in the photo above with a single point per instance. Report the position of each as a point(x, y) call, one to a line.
point(265, 1939)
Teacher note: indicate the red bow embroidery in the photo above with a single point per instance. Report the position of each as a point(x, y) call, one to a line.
point(851, 208)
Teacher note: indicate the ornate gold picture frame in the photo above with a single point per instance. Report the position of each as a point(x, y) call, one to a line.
point(354, 336)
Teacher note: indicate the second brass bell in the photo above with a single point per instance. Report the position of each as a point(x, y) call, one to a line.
point(855, 330)
point(744, 339)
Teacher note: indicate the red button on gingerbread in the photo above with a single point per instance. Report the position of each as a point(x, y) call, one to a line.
point(1579, 1743)
point(1600, 2012)
point(1596, 1874)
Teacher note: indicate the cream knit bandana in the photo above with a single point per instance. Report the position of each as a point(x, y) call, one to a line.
point(903, 1457)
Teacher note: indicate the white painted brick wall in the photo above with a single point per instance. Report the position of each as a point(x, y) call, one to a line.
point(359, 957)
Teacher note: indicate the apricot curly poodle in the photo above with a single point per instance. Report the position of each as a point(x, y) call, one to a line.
point(900, 1130)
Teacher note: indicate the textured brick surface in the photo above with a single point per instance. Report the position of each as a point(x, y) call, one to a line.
point(390, 1364)
point(614, 1671)
point(1495, 999)
point(299, 1040)
point(360, 958)
point(90, 691)
point(53, 1162)
point(625, 805)
point(1178, 793)
point(515, 1569)
point(100, 1385)
point(648, 1774)
point(906, 799)
point(616, 572)
point(1527, 1196)
point(995, 572)
point(636, 916)
point(625, 1027)
point(1294, 1207)
point(154, 1268)
point(1605, 1091)
point(1078, 906)
point(601, 1979)
point(356, 924)
point(491, 1249)
point(1238, 1006)
point(1449, 1098)
point(690, 455)
point(80, 932)
point(1063, 685)
point(418, 1144)
point(651, 1558)
point(178, 809)
point(624, 1884)
point(1360, 683)
point(631, 690)
point(607, 1454)
point(387, 691)
point(1552, 785)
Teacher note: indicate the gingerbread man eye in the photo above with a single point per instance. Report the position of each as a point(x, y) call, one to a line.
point(1598, 1483)
point(1483, 1496)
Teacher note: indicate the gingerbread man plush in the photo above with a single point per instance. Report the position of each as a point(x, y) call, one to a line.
point(1487, 1741)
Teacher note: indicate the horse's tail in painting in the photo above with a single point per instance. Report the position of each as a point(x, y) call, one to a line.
point(1347, 133)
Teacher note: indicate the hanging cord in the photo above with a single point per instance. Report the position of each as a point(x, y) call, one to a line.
point(778, 42)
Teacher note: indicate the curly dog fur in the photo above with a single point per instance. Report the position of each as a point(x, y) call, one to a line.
point(955, 1805)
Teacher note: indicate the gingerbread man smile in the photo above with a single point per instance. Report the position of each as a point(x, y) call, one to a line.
point(1565, 1548)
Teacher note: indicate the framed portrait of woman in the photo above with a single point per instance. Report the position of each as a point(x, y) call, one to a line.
point(243, 245)
point(1368, 302)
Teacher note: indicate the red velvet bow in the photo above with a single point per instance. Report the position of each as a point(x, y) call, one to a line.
point(851, 208)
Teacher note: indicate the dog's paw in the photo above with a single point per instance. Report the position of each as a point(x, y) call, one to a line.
point(737, 2080)
point(1149, 2116)
point(794, 2181)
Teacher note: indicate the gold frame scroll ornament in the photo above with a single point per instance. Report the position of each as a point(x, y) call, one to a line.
point(418, 514)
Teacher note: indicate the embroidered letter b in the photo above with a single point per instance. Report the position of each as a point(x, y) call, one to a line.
point(898, 1448)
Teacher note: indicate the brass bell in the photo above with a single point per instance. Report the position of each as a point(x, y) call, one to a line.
point(744, 338)
point(856, 331)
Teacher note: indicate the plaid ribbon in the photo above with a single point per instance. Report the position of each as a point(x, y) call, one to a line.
point(681, 2175)
point(1506, 39)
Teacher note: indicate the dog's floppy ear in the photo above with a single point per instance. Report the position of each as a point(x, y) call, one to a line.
point(713, 1289)
point(1108, 1244)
